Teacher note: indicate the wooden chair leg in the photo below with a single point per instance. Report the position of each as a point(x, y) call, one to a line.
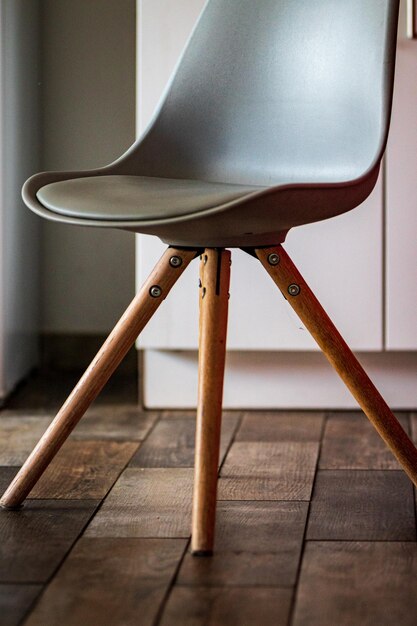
point(214, 295)
point(163, 277)
point(286, 276)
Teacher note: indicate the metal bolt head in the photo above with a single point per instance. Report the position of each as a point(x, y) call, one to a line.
point(175, 261)
point(273, 258)
point(294, 289)
point(155, 291)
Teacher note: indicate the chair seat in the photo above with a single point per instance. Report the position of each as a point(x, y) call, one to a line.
point(136, 197)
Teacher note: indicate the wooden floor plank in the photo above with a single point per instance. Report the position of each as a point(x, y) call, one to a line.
point(217, 606)
point(184, 413)
point(282, 426)
point(6, 476)
point(110, 582)
point(120, 572)
point(362, 505)
point(147, 503)
point(115, 422)
point(84, 470)
point(15, 601)
point(351, 442)
point(20, 431)
point(35, 539)
point(364, 584)
point(172, 442)
point(413, 419)
point(257, 543)
point(268, 471)
point(18, 436)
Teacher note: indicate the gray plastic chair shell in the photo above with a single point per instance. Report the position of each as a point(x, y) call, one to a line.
point(287, 100)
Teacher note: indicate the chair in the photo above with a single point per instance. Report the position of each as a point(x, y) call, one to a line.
point(277, 116)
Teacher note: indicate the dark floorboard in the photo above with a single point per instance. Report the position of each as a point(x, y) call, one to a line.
point(316, 522)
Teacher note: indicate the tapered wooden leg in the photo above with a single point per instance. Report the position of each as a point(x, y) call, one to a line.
point(165, 274)
point(284, 273)
point(214, 295)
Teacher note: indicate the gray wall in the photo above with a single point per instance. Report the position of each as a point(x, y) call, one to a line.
point(19, 152)
point(88, 108)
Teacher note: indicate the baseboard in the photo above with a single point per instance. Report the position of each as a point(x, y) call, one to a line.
point(277, 380)
point(71, 352)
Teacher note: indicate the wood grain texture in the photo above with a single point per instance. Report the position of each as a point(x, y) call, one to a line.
point(84, 470)
point(97, 374)
point(35, 539)
point(15, 602)
point(217, 606)
point(338, 353)
point(261, 526)
point(413, 420)
point(115, 422)
point(18, 435)
point(182, 413)
point(362, 505)
point(257, 543)
point(282, 426)
point(357, 583)
point(172, 443)
point(214, 306)
point(351, 442)
point(268, 471)
point(6, 476)
point(147, 503)
point(110, 582)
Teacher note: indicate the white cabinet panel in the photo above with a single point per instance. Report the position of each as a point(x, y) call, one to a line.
point(401, 221)
point(271, 380)
point(341, 258)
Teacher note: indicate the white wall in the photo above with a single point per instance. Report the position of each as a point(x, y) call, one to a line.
point(88, 104)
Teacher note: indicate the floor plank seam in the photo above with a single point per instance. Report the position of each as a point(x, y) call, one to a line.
point(360, 469)
point(231, 442)
point(50, 579)
point(234, 586)
point(291, 614)
point(152, 428)
point(411, 541)
point(171, 586)
point(411, 431)
point(110, 488)
point(415, 507)
point(31, 607)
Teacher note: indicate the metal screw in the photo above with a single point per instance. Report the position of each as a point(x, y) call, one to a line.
point(155, 291)
point(273, 259)
point(294, 289)
point(175, 261)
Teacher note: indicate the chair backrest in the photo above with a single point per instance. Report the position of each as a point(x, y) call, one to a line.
point(272, 91)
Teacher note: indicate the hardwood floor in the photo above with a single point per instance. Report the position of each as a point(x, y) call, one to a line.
point(316, 524)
